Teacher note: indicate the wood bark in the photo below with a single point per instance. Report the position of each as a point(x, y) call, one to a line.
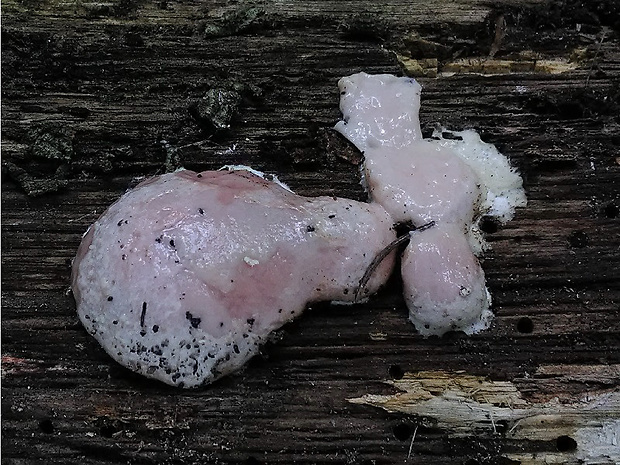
point(97, 95)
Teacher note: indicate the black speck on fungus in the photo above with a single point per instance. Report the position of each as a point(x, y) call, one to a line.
point(143, 314)
point(194, 321)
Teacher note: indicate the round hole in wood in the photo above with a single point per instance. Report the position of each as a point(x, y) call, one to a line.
point(525, 325)
point(565, 444)
point(46, 426)
point(396, 372)
point(402, 431)
point(611, 210)
point(107, 431)
point(488, 225)
point(501, 426)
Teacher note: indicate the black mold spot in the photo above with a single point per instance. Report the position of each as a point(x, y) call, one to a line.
point(236, 348)
point(331, 217)
point(172, 243)
point(110, 298)
point(251, 321)
point(310, 228)
point(155, 328)
point(201, 211)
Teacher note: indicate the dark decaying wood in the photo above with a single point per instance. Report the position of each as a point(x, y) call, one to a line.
point(96, 95)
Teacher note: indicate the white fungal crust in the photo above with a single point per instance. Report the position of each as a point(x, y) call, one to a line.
point(184, 276)
point(502, 182)
point(449, 182)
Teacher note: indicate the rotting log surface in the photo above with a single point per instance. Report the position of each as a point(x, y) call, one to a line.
point(97, 95)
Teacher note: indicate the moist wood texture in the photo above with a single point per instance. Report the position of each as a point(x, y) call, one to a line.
point(97, 95)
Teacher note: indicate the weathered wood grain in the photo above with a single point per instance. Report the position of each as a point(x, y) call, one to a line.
point(98, 94)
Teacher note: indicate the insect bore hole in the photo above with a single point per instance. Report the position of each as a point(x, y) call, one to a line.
point(402, 431)
point(611, 210)
point(46, 426)
point(525, 325)
point(107, 431)
point(396, 372)
point(488, 225)
point(565, 444)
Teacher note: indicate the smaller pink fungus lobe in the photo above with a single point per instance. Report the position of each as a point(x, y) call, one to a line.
point(184, 276)
point(443, 282)
point(449, 182)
